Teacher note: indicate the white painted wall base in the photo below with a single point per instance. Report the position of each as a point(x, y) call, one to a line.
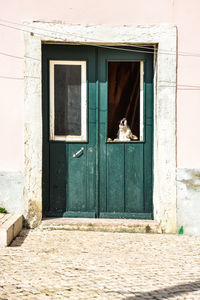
point(11, 191)
point(188, 200)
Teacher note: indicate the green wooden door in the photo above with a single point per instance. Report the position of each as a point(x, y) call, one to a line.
point(126, 167)
point(85, 174)
point(69, 153)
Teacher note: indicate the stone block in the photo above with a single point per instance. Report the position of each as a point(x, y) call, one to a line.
point(10, 229)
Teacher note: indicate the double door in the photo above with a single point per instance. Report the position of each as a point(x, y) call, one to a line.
point(93, 164)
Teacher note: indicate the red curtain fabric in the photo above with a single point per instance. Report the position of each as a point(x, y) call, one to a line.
point(123, 96)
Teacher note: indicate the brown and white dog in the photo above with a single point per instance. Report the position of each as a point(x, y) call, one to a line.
point(124, 133)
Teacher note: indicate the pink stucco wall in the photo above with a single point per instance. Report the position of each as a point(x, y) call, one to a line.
point(183, 13)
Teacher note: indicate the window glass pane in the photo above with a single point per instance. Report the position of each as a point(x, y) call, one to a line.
point(67, 100)
point(124, 99)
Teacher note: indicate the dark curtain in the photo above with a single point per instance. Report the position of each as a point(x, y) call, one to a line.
point(123, 96)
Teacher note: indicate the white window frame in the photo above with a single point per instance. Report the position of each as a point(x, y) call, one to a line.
point(141, 138)
point(141, 101)
point(69, 138)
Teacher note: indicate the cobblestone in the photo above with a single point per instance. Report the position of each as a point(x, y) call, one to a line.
point(60, 264)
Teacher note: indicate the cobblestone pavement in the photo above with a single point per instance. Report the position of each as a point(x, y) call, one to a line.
point(60, 264)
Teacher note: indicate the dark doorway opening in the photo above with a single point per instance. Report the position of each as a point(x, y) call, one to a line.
point(123, 96)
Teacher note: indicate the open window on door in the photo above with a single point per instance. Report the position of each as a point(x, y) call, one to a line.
point(125, 101)
point(68, 104)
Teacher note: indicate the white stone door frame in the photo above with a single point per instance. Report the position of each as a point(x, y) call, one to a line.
point(165, 38)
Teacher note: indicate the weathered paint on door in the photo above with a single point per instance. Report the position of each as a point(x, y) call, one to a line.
point(108, 180)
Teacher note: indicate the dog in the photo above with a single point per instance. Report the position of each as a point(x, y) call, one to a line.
point(124, 133)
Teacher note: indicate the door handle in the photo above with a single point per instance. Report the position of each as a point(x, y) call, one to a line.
point(78, 152)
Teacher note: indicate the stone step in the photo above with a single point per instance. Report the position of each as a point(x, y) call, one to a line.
point(10, 226)
point(106, 225)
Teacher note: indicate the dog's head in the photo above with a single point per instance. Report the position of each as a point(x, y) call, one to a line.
point(123, 123)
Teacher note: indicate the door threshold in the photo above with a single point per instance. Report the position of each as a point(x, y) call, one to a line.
point(105, 225)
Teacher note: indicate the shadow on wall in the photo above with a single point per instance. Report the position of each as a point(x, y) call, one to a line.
point(19, 240)
point(165, 293)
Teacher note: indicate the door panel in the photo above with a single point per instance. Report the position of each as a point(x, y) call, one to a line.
point(57, 178)
point(115, 178)
point(127, 165)
point(90, 176)
point(76, 188)
point(134, 181)
point(69, 181)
